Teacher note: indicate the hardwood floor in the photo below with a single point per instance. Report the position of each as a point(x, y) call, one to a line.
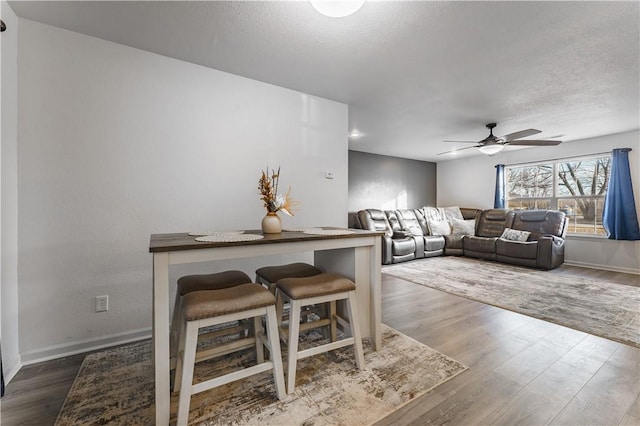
point(36, 393)
point(522, 371)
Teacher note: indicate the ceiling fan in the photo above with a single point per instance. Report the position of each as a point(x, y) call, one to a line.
point(494, 144)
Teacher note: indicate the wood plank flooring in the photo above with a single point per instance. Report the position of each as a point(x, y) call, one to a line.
point(523, 371)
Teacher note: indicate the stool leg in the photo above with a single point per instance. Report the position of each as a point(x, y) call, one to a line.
point(274, 346)
point(182, 332)
point(188, 363)
point(334, 322)
point(257, 332)
point(355, 329)
point(294, 330)
point(279, 307)
point(175, 328)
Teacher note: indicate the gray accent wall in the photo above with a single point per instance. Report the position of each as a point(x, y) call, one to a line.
point(382, 182)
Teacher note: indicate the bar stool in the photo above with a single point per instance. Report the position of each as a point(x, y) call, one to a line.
point(206, 308)
point(316, 289)
point(270, 275)
point(191, 283)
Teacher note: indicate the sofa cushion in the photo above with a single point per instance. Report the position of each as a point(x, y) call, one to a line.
point(439, 227)
point(434, 213)
point(520, 250)
point(422, 220)
point(433, 243)
point(463, 227)
point(452, 213)
point(394, 221)
point(492, 222)
point(515, 235)
point(540, 222)
point(496, 214)
point(409, 222)
point(453, 241)
point(480, 244)
point(374, 220)
point(403, 247)
point(468, 213)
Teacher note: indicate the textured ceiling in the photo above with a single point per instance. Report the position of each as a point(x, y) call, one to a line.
point(413, 73)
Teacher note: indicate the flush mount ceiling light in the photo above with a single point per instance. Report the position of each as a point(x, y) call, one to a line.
point(337, 8)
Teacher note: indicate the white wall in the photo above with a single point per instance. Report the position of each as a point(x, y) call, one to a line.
point(117, 144)
point(470, 182)
point(9, 193)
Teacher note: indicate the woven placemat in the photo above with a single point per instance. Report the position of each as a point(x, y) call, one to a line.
point(214, 232)
point(304, 229)
point(228, 238)
point(328, 231)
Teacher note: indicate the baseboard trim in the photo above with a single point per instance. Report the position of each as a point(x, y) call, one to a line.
point(603, 267)
point(10, 368)
point(61, 351)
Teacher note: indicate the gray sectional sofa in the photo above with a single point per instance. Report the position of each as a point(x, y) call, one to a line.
point(533, 238)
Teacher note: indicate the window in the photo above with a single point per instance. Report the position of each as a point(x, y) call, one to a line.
point(576, 186)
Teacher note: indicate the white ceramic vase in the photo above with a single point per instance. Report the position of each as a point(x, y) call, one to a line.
point(271, 224)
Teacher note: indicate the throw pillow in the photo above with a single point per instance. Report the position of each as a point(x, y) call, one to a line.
point(463, 227)
point(439, 227)
point(452, 213)
point(515, 235)
point(434, 213)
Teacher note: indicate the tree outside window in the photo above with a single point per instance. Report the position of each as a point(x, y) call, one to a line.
point(575, 186)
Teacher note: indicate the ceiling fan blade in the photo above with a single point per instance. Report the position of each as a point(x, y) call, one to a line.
point(461, 149)
point(462, 141)
point(520, 134)
point(539, 142)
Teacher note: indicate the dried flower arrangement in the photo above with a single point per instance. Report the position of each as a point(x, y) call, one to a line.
point(268, 186)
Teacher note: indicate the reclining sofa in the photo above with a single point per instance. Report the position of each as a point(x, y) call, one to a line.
point(533, 238)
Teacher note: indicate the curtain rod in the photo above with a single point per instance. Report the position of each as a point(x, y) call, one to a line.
point(563, 158)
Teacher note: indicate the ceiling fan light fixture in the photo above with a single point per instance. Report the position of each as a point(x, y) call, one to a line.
point(491, 149)
point(337, 8)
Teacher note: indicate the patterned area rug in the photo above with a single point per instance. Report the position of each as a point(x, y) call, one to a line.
point(604, 309)
point(116, 387)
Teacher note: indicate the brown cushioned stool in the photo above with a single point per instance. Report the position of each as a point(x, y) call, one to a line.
point(191, 283)
point(207, 308)
point(270, 275)
point(322, 288)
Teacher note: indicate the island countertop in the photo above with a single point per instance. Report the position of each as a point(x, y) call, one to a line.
point(184, 241)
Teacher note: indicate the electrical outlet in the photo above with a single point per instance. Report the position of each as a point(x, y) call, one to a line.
point(102, 303)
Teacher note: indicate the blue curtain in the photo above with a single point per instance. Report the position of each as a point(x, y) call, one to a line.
point(619, 217)
point(499, 201)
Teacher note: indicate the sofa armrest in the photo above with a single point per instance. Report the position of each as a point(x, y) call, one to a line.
point(387, 257)
point(419, 239)
point(550, 252)
point(401, 234)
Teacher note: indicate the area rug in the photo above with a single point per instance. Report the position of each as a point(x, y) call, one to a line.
point(115, 387)
point(603, 309)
